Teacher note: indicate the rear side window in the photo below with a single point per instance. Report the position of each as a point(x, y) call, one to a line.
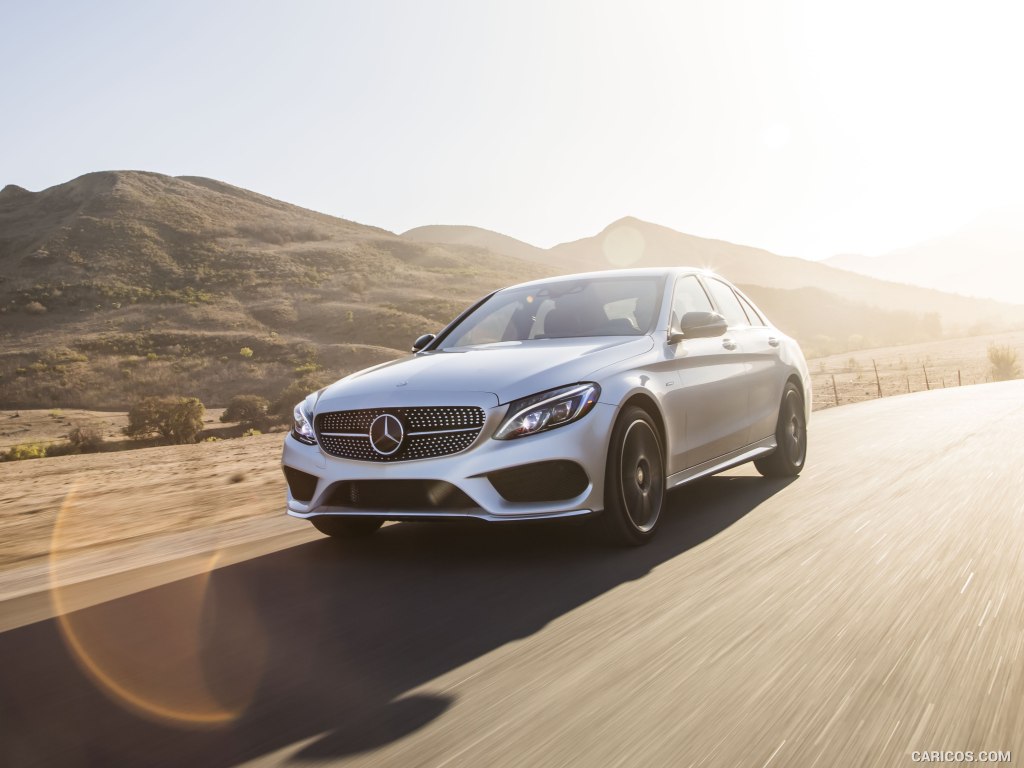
point(727, 303)
point(753, 315)
point(689, 297)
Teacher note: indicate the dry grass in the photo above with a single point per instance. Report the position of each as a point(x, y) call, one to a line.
point(18, 427)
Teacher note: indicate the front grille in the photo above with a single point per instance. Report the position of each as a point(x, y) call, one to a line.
point(428, 432)
point(399, 496)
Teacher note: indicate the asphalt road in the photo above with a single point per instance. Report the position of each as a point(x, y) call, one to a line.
point(869, 609)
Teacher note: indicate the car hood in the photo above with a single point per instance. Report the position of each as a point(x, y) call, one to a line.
point(495, 373)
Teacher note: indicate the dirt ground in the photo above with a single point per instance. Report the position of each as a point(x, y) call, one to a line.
point(126, 497)
point(52, 426)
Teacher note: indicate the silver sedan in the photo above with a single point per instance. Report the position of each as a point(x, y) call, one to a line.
point(586, 394)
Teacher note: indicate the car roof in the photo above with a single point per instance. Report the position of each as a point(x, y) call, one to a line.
point(617, 273)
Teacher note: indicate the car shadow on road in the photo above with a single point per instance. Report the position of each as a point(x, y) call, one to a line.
point(321, 647)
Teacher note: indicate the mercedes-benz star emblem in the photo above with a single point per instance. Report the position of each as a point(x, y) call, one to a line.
point(386, 434)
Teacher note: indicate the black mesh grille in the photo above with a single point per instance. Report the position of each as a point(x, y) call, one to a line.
point(399, 496)
point(542, 481)
point(450, 429)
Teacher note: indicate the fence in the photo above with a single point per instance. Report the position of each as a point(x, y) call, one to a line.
point(858, 381)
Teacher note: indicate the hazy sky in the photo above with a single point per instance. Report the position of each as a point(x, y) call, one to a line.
point(809, 128)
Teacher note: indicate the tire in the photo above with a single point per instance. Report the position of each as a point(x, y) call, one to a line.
point(791, 434)
point(346, 527)
point(634, 490)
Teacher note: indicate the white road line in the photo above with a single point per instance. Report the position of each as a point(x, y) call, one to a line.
point(966, 582)
point(995, 675)
point(882, 751)
point(982, 619)
point(774, 754)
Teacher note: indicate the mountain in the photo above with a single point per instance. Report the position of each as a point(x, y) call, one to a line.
point(121, 284)
point(478, 237)
point(633, 242)
point(986, 259)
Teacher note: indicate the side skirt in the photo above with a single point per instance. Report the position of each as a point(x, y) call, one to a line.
point(745, 454)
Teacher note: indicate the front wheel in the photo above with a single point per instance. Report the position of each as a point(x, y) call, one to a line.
point(634, 489)
point(346, 527)
point(791, 435)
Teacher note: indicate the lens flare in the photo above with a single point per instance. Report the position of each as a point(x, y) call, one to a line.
point(189, 654)
point(624, 246)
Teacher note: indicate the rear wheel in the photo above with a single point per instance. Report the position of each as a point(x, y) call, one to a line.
point(634, 490)
point(791, 435)
point(346, 527)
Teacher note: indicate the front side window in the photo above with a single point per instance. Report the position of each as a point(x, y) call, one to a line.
point(689, 297)
point(727, 303)
point(561, 309)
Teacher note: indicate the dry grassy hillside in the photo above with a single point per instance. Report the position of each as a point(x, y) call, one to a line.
point(119, 285)
point(477, 236)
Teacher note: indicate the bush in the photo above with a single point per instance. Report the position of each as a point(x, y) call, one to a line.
point(35, 308)
point(245, 352)
point(25, 451)
point(85, 439)
point(62, 449)
point(295, 392)
point(1003, 363)
point(249, 410)
point(177, 419)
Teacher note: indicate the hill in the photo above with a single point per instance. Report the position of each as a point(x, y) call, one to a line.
point(118, 285)
point(123, 284)
point(478, 237)
point(986, 258)
point(828, 309)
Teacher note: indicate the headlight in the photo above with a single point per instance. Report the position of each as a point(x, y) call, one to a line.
point(547, 410)
point(302, 425)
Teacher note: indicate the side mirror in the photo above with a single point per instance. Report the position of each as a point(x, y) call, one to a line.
point(698, 325)
point(422, 341)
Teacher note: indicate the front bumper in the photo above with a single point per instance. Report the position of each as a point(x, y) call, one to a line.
point(584, 442)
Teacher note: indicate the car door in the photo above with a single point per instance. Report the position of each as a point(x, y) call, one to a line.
point(760, 359)
point(766, 372)
point(705, 397)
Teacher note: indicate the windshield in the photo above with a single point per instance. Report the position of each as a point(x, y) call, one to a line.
point(600, 306)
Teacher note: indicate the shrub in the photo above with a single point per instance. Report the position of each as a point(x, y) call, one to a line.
point(62, 449)
point(26, 451)
point(295, 392)
point(35, 308)
point(251, 433)
point(1003, 363)
point(177, 419)
point(245, 352)
point(86, 439)
point(249, 410)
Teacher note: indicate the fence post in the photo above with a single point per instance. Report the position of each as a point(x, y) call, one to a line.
point(959, 381)
point(878, 382)
point(927, 383)
point(835, 392)
point(908, 384)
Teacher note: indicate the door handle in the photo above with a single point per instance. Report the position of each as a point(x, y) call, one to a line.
point(728, 343)
point(772, 341)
